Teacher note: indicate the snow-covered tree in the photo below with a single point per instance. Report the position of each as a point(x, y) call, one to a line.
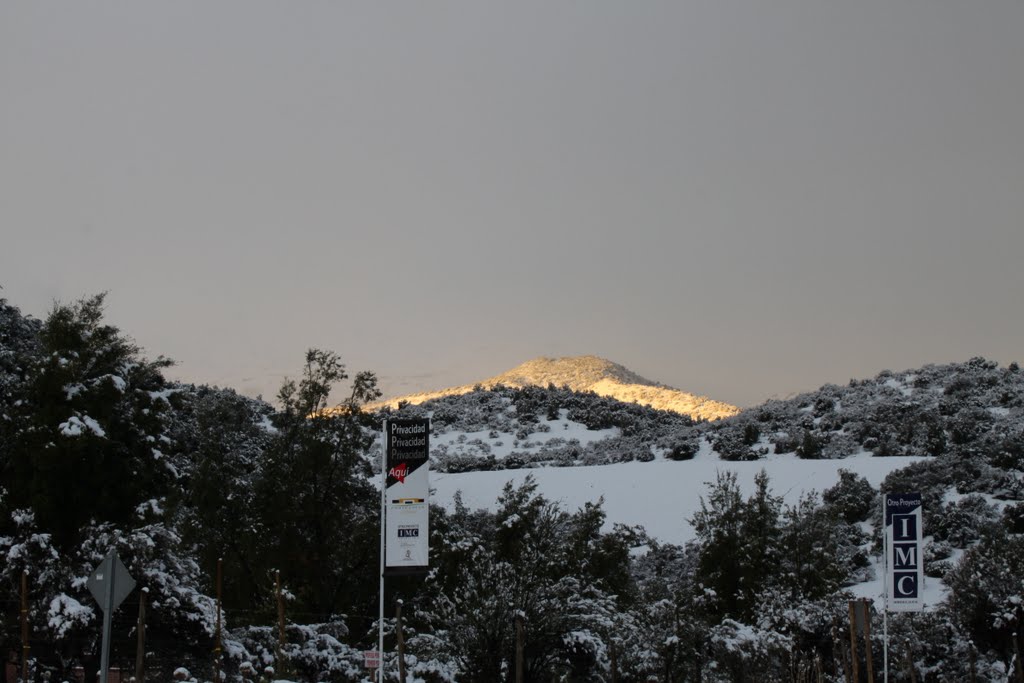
point(555, 570)
point(85, 432)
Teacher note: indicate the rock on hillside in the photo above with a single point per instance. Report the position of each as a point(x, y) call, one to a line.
point(588, 373)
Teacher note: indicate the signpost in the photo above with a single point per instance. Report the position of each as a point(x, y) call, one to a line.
point(903, 560)
point(404, 505)
point(110, 583)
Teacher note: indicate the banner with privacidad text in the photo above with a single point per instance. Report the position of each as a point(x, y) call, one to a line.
point(407, 495)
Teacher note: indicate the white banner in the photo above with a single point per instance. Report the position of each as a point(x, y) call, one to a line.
point(407, 495)
point(904, 562)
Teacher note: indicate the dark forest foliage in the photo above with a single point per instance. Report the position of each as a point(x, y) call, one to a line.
point(98, 450)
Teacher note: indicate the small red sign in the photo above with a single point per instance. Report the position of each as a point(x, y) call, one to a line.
point(371, 659)
point(400, 472)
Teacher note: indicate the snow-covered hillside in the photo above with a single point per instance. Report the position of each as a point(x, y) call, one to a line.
point(586, 374)
point(961, 426)
point(663, 495)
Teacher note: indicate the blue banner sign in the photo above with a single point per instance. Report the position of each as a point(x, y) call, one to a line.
point(904, 563)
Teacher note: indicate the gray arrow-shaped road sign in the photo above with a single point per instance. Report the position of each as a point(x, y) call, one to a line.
point(110, 584)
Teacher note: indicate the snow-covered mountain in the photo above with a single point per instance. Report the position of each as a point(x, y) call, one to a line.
point(587, 373)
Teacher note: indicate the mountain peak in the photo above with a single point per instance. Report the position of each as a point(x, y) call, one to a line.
point(579, 373)
point(588, 373)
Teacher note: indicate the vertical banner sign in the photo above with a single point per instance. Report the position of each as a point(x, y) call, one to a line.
point(904, 575)
point(407, 492)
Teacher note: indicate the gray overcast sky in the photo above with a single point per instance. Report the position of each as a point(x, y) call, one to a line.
point(740, 199)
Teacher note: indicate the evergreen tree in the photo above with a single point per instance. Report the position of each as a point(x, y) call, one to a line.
point(986, 589)
point(19, 343)
point(739, 546)
point(83, 436)
point(761, 532)
point(225, 436)
point(852, 497)
point(555, 570)
point(87, 465)
point(319, 517)
point(809, 562)
point(719, 529)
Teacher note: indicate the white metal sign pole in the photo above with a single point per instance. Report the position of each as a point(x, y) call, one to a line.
point(885, 594)
point(108, 609)
point(383, 499)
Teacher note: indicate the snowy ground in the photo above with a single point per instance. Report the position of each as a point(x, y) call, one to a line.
point(661, 495)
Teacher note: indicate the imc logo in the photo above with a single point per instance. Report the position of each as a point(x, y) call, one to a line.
point(904, 527)
point(904, 585)
point(904, 565)
point(906, 557)
point(412, 532)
